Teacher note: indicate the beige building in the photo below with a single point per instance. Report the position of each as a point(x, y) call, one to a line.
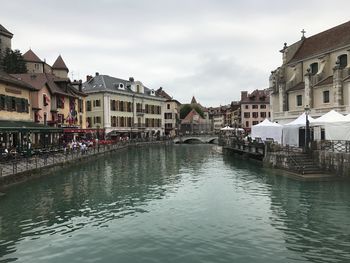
point(314, 74)
point(171, 113)
point(122, 107)
point(255, 107)
point(56, 102)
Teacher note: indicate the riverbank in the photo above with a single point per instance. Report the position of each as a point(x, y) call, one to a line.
point(34, 168)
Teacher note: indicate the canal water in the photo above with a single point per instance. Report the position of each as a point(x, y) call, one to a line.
point(181, 203)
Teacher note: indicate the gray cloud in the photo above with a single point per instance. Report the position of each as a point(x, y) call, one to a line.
point(210, 49)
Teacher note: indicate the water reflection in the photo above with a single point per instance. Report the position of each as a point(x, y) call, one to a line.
point(313, 216)
point(93, 193)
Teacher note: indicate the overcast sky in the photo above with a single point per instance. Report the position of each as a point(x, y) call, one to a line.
point(209, 49)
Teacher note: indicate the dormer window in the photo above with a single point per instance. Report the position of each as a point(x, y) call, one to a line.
point(121, 86)
point(138, 88)
point(314, 68)
point(343, 61)
point(153, 93)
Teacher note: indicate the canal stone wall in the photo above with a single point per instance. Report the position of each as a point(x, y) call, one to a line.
point(335, 162)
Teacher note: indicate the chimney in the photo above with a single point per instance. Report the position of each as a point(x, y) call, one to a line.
point(88, 78)
point(80, 86)
point(96, 74)
point(244, 94)
point(131, 79)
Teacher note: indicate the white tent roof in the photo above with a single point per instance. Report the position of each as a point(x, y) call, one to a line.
point(331, 116)
point(266, 123)
point(301, 120)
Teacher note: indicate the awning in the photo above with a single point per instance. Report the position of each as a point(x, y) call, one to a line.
point(26, 126)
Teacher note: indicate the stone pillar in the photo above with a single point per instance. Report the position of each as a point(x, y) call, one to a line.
point(308, 90)
point(282, 97)
point(106, 111)
point(337, 85)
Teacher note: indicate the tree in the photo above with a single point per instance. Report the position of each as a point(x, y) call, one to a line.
point(186, 109)
point(13, 62)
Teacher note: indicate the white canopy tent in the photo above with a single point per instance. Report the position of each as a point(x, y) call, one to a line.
point(291, 130)
point(267, 129)
point(227, 128)
point(336, 125)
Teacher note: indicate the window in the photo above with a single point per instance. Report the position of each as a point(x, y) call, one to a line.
point(255, 106)
point(263, 106)
point(80, 105)
point(314, 68)
point(88, 122)
point(168, 125)
point(263, 114)
point(168, 106)
point(255, 115)
point(247, 123)
point(343, 61)
point(13, 104)
point(60, 102)
point(113, 107)
point(2, 102)
point(247, 106)
point(255, 122)
point(247, 115)
point(97, 103)
point(88, 105)
point(326, 96)
point(299, 100)
point(97, 120)
point(168, 116)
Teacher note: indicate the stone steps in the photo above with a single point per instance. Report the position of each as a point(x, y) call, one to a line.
point(306, 163)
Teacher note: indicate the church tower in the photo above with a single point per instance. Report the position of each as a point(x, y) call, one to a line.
point(59, 68)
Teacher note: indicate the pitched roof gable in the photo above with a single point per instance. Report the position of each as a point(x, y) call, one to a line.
point(9, 79)
point(59, 64)
point(190, 117)
point(30, 56)
point(325, 41)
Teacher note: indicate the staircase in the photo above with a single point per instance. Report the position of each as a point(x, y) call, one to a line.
point(303, 163)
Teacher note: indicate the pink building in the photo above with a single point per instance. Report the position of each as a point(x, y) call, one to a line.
point(255, 107)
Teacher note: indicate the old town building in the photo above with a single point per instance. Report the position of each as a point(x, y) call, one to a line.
point(171, 113)
point(255, 107)
point(123, 107)
point(314, 75)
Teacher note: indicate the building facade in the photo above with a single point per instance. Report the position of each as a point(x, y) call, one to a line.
point(122, 107)
point(255, 107)
point(171, 113)
point(314, 75)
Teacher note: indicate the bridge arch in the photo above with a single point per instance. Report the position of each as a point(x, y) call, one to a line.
point(192, 140)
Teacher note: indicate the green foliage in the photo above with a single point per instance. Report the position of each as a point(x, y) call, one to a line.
point(13, 62)
point(187, 108)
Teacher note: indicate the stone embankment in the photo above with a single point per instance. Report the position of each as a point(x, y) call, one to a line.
point(18, 171)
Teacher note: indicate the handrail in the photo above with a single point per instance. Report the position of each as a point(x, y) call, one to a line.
point(292, 157)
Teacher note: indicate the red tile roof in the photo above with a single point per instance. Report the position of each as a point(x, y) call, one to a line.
point(30, 56)
point(190, 117)
point(59, 64)
point(7, 78)
point(325, 41)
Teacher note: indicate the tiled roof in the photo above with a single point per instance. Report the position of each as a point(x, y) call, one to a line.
point(39, 80)
point(30, 56)
point(326, 81)
point(102, 83)
point(163, 94)
point(257, 96)
point(190, 116)
point(299, 86)
point(6, 78)
point(325, 41)
point(5, 32)
point(59, 64)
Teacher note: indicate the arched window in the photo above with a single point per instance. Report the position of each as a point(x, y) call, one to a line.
point(314, 68)
point(343, 61)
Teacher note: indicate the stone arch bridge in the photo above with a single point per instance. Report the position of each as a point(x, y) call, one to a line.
point(197, 139)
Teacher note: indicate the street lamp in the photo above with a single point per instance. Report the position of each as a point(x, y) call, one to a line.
point(307, 129)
